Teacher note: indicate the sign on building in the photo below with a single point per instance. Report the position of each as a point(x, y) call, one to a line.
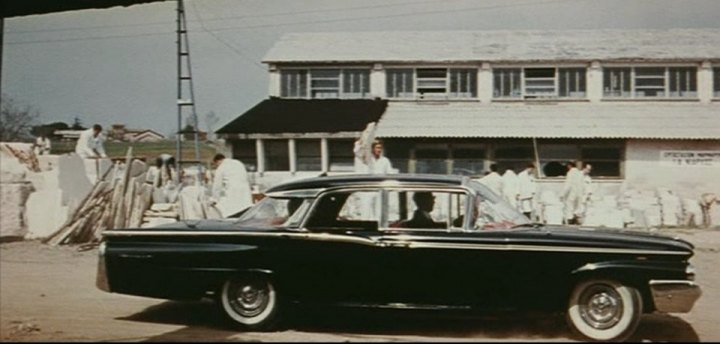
point(690, 158)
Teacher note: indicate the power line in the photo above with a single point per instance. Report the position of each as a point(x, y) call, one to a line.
point(232, 17)
point(219, 39)
point(347, 19)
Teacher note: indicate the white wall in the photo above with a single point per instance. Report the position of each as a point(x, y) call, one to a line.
point(643, 168)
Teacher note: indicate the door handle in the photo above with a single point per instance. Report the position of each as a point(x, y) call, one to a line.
point(135, 256)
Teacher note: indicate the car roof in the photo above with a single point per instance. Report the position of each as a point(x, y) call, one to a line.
point(364, 179)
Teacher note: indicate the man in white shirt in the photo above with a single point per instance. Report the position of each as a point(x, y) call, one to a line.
point(588, 189)
point(572, 193)
point(493, 180)
point(90, 143)
point(231, 188)
point(378, 163)
point(511, 187)
point(527, 190)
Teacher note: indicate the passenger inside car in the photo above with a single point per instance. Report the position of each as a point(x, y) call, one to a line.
point(425, 202)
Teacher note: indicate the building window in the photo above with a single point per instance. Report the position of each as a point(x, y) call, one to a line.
point(650, 82)
point(468, 161)
point(356, 83)
point(277, 156)
point(507, 83)
point(244, 150)
point(325, 83)
point(342, 158)
point(399, 83)
point(308, 155)
point(716, 82)
point(431, 160)
point(528, 83)
point(463, 83)
point(293, 83)
point(431, 83)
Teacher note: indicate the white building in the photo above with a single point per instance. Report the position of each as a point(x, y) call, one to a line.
point(642, 106)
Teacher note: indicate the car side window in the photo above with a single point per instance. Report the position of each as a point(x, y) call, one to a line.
point(347, 210)
point(426, 209)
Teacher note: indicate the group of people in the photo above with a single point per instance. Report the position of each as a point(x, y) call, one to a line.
point(517, 189)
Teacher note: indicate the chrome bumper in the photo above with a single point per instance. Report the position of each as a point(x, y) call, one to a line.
point(101, 279)
point(674, 296)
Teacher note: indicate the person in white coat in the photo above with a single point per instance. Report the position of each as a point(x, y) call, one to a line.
point(511, 187)
point(493, 180)
point(42, 145)
point(378, 163)
point(588, 189)
point(231, 188)
point(527, 190)
point(572, 194)
point(90, 143)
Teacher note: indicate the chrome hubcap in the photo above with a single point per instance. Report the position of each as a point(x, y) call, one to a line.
point(248, 298)
point(601, 306)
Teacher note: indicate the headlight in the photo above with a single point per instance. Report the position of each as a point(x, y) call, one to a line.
point(690, 272)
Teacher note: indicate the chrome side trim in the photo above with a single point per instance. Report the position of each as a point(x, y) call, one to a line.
point(674, 296)
point(406, 240)
point(511, 247)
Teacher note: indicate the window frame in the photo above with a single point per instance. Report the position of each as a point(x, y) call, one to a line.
point(342, 93)
point(667, 93)
point(520, 74)
point(469, 71)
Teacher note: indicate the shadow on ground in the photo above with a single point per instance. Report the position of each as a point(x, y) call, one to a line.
point(205, 323)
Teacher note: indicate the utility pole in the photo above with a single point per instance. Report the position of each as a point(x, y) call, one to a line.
point(184, 82)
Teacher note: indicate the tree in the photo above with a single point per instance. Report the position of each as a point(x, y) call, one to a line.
point(49, 129)
point(16, 121)
point(77, 125)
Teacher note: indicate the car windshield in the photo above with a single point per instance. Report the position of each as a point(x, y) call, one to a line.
point(493, 212)
point(275, 212)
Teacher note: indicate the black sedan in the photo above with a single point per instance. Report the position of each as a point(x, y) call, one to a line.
point(401, 241)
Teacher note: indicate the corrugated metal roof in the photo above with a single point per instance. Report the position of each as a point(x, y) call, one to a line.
point(656, 120)
point(498, 45)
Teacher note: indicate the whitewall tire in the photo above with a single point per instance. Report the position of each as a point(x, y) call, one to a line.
point(250, 301)
point(604, 310)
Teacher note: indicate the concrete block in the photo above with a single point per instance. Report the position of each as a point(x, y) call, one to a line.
point(45, 213)
point(13, 197)
point(11, 170)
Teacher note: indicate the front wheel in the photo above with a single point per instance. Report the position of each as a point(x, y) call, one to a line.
point(604, 310)
point(250, 301)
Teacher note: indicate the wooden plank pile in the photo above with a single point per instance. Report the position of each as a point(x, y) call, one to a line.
point(118, 200)
point(23, 153)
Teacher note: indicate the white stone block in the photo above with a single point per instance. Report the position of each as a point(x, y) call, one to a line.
point(11, 170)
point(45, 213)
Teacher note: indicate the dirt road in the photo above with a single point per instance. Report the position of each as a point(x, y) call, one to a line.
point(48, 294)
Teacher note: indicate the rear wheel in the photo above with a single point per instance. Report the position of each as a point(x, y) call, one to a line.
point(604, 310)
point(250, 301)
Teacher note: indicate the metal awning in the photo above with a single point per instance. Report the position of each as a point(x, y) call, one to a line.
point(16, 8)
point(640, 120)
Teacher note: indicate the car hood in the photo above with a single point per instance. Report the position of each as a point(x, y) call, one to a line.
point(612, 238)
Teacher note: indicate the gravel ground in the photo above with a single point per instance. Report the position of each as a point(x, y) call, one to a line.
point(48, 294)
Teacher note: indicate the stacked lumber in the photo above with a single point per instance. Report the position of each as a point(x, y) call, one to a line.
point(159, 214)
point(23, 153)
point(118, 200)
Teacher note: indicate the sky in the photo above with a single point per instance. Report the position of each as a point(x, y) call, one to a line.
point(119, 65)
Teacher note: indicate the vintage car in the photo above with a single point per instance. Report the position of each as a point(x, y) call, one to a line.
point(401, 241)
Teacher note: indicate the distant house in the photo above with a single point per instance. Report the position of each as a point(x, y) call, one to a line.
point(118, 132)
point(147, 135)
point(67, 134)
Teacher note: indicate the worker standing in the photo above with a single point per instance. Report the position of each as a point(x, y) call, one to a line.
point(231, 188)
point(90, 143)
point(378, 163)
point(493, 180)
point(572, 194)
point(511, 187)
point(527, 190)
